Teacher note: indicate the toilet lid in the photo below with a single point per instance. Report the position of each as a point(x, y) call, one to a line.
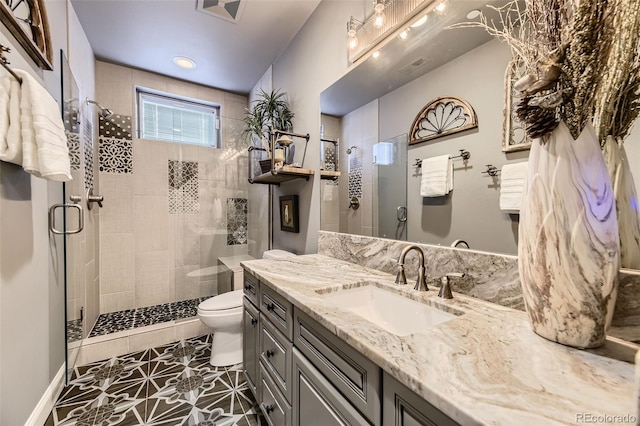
point(232, 299)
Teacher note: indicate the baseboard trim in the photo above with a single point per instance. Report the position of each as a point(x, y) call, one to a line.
point(45, 405)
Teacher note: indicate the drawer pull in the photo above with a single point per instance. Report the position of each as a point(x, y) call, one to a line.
point(269, 353)
point(270, 307)
point(254, 321)
point(268, 408)
point(247, 287)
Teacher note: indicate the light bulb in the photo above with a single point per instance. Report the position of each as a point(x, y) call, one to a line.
point(378, 19)
point(440, 8)
point(352, 41)
point(376, 54)
point(420, 21)
point(404, 34)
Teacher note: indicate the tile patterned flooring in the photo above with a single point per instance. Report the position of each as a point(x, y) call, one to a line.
point(114, 322)
point(169, 385)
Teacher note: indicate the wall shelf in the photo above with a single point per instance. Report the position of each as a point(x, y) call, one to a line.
point(282, 174)
point(329, 174)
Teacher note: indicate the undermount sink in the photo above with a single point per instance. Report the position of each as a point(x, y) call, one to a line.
point(393, 312)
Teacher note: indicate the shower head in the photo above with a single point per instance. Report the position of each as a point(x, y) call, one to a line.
point(104, 112)
point(351, 148)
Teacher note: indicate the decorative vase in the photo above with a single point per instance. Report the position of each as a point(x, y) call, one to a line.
point(568, 246)
point(626, 195)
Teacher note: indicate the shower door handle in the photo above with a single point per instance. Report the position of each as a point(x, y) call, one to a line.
point(401, 213)
point(52, 219)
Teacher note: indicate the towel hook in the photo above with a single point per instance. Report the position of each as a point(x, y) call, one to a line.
point(492, 170)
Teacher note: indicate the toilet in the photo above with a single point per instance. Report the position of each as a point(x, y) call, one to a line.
point(223, 315)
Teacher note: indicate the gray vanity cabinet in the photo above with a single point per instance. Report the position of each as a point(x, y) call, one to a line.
point(402, 407)
point(251, 338)
point(316, 402)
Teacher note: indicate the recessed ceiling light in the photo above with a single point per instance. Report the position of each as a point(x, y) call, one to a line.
point(473, 14)
point(184, 62)
point(419, 22)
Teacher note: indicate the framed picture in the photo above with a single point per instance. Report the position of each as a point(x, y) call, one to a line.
point(289, 213)
point(514, 136)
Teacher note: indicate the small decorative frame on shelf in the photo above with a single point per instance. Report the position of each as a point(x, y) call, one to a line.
point(514, 135)
point(27, 21)
point(289, 213)
point(442, 117)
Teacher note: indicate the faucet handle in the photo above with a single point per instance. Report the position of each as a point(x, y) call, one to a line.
point(445, 287)
point(401, 278)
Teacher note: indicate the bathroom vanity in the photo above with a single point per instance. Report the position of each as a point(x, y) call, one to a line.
point(311, 358)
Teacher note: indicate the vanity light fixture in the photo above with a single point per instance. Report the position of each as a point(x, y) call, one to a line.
point(379, 18)
point(441, 7)
point(184, 62)
point(404, 34)
point(352, 38)
point(376, 54)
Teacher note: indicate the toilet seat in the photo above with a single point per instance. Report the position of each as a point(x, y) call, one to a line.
point(222, 303)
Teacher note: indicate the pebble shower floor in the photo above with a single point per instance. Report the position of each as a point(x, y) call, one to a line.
point(169, 385)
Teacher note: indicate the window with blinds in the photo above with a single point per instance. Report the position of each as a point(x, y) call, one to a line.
point(167, 117)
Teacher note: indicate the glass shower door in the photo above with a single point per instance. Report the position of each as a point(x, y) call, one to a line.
point(390, 163)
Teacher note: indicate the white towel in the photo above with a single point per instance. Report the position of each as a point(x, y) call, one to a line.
point(437, 176)
point(10, 139)
point(513, 178)
point(44, 144)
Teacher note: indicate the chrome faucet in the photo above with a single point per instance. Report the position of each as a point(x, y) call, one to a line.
point(401, 278)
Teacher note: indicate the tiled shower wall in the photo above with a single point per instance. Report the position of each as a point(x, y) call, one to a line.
point(166, 213)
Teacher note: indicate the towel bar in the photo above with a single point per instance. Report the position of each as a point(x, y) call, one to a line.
point(464, 154)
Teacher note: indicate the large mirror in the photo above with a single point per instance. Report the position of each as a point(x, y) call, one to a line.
point(376, 102)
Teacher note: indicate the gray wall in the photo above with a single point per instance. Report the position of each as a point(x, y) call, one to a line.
point(312, 62)
point(471, 211)
point(31, 292)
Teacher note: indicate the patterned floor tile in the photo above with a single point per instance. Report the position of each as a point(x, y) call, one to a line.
point(168, 385)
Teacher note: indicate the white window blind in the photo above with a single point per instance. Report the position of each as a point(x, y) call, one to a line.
point(169, 118)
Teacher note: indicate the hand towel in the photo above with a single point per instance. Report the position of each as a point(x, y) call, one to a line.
point(44, 144)
point(513, 178)
point(10, 139)
point(437, 176)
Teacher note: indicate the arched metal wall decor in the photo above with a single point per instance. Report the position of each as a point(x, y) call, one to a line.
point(442, 117)
point(27, 22)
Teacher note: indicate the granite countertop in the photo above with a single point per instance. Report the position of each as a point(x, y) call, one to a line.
point(483, 367)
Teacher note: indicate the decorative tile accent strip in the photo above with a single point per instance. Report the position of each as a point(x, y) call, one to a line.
point(236, 221)
point(73, 143)
point(116, 126)
point(116, 155)
point(116, 144)
point(329, 156)
point(172, 384)
point(183, 187)
point(87, 136)
point(355, 176)
point(74, 330)
point(114, 322)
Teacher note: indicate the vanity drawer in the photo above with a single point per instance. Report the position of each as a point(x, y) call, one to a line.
point(273, 405)
point(276, 356)
point(278, 310)
point(251, 287)
point(355, 376)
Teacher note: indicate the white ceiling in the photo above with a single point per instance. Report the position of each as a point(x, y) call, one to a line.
point(148, 34)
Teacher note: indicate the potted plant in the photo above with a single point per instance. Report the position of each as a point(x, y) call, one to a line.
point(270, 111)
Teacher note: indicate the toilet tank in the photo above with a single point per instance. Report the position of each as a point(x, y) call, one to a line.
point(230, 274)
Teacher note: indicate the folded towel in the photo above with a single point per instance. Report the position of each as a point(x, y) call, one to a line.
point(437, 176)
point(10, 139)
point(513, 178)
point(44, 144)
